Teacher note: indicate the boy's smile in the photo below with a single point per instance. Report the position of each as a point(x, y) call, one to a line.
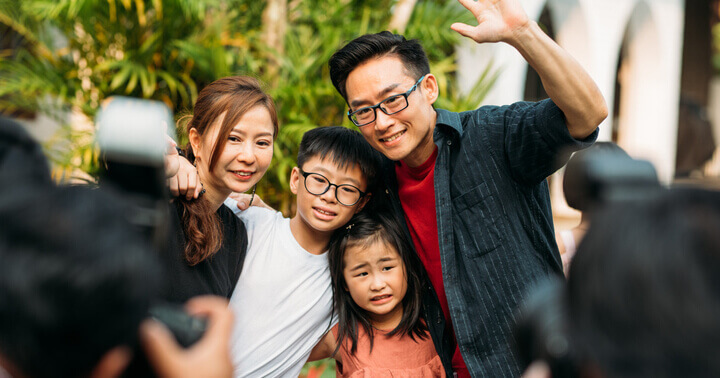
point(323, 213)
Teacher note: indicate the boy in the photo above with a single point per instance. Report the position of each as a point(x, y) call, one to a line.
point(283, 300)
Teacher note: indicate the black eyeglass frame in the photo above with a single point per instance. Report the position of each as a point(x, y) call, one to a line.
point(379, 105)
point(330, 184)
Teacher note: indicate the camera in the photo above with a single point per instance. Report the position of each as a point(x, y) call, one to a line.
point(605, 174)
point(186, 329)
point(541, 330)
point(132, 136)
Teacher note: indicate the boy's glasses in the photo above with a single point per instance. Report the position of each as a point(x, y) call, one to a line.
point(390, 105)
point(318, 184)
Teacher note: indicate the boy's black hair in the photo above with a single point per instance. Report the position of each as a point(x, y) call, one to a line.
point(364, 229)
point(75, 279)
point(377, 45)
point(644, 289)
point(343, 147)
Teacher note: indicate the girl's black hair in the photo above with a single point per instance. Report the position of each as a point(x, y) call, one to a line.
point(364, 229)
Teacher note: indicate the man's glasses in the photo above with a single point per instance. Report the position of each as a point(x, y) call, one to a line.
point(318, 184)
point(390, 105)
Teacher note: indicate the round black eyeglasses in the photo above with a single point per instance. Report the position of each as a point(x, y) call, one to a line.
point(318, 184)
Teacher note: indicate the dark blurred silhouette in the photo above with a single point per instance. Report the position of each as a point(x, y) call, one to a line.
point(643, 295)
point(77, 279)
point(75, 282)
point(644, 292)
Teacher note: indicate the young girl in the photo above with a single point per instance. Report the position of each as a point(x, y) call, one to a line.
point(231, 133)
point(378, 282)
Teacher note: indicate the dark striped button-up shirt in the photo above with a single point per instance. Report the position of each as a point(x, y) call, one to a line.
point(494, 219)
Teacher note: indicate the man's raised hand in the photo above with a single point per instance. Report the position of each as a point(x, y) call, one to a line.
point(498, 21)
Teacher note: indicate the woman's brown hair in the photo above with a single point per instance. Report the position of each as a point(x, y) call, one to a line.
point(232, 96)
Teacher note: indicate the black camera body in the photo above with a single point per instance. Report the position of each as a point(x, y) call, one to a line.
point(597, 177)
point(541, 332)
point(186, 329)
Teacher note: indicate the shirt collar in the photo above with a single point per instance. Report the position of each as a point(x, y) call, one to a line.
point(451, 119)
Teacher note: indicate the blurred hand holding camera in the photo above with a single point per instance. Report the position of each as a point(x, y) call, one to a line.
point(209, 357)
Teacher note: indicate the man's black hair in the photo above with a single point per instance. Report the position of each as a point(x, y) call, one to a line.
point(644, 289)
point(343, 147)
point(365, 229)
point(370, 46)
point(75, 280)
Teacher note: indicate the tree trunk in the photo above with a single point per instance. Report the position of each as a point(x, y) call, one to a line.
point(401, 15)
point(274, 20)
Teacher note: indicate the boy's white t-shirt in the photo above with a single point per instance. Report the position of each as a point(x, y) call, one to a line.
point(282, 301)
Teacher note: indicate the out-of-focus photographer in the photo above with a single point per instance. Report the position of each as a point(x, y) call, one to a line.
point(76, 280)
point(75, 283)
point(643, 295)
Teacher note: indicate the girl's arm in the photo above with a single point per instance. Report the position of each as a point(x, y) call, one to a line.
point(325, 348)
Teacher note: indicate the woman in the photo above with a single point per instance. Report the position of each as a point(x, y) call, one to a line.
point(231, 133)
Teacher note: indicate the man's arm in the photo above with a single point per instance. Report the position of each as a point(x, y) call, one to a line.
point(565, 81)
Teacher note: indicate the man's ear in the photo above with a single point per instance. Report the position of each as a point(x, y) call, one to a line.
point(430, 89)
point(363, 202)
point(195, 141)
point(294, 180)
point(112, 363)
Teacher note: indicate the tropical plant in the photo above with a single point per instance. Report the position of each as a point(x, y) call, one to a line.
point(78, 53)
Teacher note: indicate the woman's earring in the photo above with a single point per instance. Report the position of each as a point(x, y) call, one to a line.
point(252, 197)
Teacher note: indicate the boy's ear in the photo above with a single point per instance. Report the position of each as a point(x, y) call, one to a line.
point(363, 202)
point(294, 180)
point(195, 141)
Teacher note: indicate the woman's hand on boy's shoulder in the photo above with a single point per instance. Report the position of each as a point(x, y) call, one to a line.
point(244, 201)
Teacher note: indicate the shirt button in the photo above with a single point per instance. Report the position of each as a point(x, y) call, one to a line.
point(449, 143)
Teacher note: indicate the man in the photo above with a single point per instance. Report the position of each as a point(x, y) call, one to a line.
point(471, 185)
